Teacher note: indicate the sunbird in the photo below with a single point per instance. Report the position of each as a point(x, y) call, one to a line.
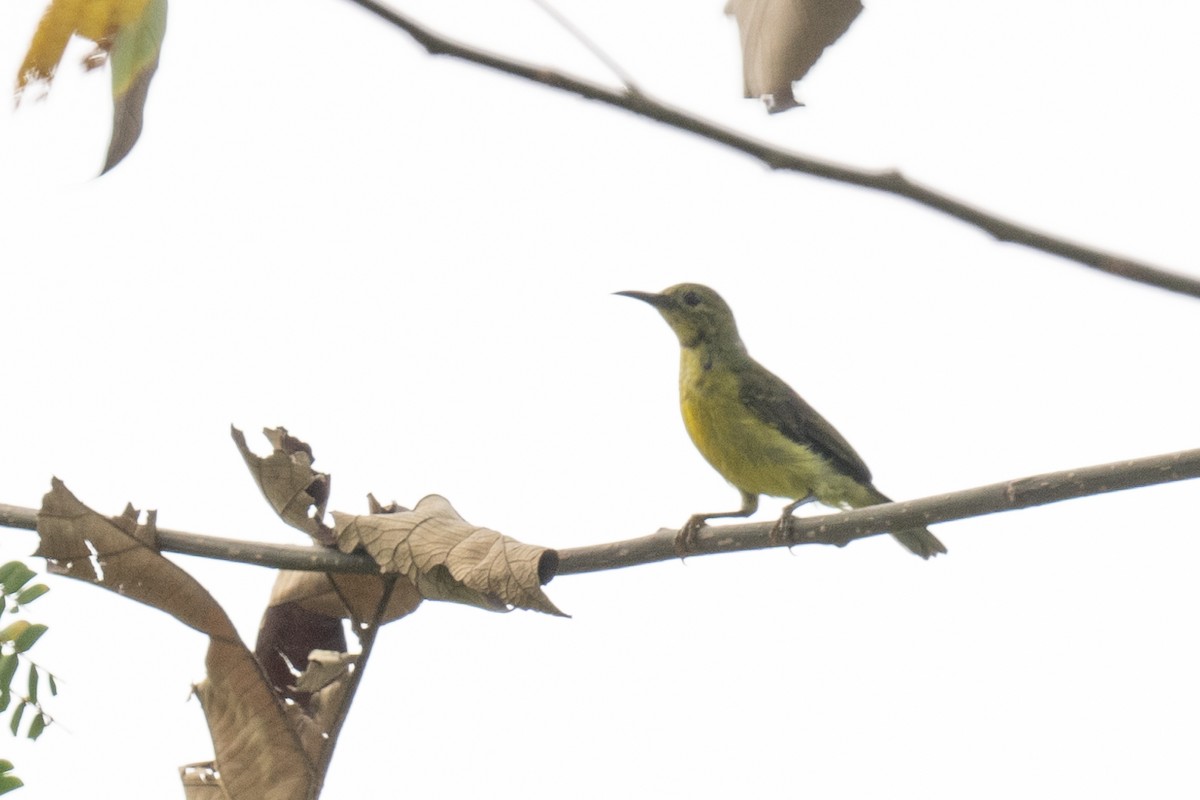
point(754, 429)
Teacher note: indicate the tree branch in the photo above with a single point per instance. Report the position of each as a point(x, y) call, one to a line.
point(844, 527)
point(366, 645)
point(888, 181)
point(274, 556)
point(837, 528)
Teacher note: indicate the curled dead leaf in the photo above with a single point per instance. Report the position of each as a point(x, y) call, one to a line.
point(345, 596)
point(201, 782)
point(296, 491)
point(324, 667)
point(306, 612)
point(259, 750)
point(261, 754)
point(120, 554)
point(286, 635)
point(782, 40)
point(447, 558)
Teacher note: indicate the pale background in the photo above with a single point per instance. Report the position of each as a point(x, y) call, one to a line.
point(409, 263)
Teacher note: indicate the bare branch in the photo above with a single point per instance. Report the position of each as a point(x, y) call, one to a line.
point(585, 40)
point(888, 181)
point(366, 642)
point(837, 528)
point(275, 556)
point(844, 527)
point(18, 517)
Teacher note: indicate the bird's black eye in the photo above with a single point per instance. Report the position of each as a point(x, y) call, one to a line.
point(691, 298)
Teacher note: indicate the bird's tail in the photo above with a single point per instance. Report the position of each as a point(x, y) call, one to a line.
point(917, 540)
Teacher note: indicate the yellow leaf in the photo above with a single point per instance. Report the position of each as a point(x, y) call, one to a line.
point(98, 20)
point(130, 31)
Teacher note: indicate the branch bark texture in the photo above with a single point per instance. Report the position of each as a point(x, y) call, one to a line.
point(844, 527)
point(838, 528)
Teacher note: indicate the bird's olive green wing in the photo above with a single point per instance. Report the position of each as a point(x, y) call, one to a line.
point(778, 405)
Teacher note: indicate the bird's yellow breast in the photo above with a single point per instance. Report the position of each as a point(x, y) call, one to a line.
point(751, 454)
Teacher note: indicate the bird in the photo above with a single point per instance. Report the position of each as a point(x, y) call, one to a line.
point(756, 430)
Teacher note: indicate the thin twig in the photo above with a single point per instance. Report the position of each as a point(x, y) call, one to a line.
point(275, 556)
point(366, 642)
point(889, 181)
point(591, 46)
point(837, 528)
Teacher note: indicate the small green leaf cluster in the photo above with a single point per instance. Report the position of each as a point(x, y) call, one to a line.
point(8, 781)
point(16, 638)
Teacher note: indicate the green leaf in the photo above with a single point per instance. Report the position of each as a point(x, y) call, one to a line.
point(29, 636)
point(33, 683)
point(37, 726)
point(8, 668)
point(5, 699)
point(8, 568)
point(9, 782)
point(31, 593)
point(53, 684)
point(134, 58)
point(5, 765)
point(14, 575)
point(15, 629)
point(15, 722)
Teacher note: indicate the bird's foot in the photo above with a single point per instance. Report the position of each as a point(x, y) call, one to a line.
point(685, 540)
point(781, 532)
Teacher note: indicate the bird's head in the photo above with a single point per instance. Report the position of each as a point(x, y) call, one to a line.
point(696, 313)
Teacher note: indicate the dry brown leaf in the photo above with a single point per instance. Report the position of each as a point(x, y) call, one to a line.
point(286, 478)
point(782, 39)
point(286, 635)
point(200, 782)
point(306, 612)
point(324, 708)
point(119, 554)
point(324, 667)
point(259, 755)
point(447, 558)
point(347, 596)
point(259, 751)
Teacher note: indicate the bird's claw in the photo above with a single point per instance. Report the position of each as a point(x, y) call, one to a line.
point(685, 540)
point(781, 531)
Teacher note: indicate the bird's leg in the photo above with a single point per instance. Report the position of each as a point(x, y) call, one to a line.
point(782, 532)
point(685, 540)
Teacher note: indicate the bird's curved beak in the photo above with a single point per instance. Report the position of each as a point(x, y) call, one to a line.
point(659, 301)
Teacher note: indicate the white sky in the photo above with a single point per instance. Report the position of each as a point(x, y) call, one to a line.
point(409, 263)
